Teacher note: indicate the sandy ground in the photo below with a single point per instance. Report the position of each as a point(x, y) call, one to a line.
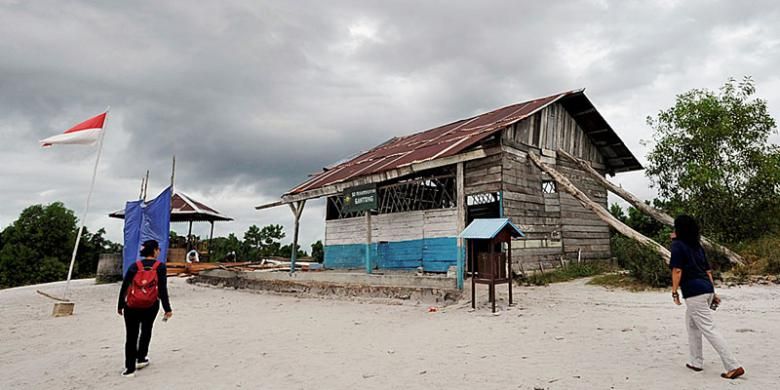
point(564, 336)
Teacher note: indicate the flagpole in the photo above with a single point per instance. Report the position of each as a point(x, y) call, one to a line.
point(86, 208)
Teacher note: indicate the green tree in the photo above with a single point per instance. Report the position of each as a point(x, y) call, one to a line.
point(711, 159)
point(318, 251)
point(90, 248)
point(643, 223)
point(617, 212)
point(37, 247)
point(221, 246)
point(263, 242)
point(286, 251)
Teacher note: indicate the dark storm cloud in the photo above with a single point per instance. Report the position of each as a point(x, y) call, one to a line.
point(253, 96)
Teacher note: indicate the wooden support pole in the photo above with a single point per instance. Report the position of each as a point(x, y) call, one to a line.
point(601, 212)
point(269, 205)
point(146, 184)
point(472, 263)
point(494, 259)
point(368, 241)
point(461, 205)
point(509, 266)
point(656, 214)
point(297, 209)
point(143, 182)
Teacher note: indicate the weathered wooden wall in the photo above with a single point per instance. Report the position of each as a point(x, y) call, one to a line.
point(399, 240)
point(483, 175)
point(581, 228)
point(555, 224)
point(554, 128)
point(536, 213)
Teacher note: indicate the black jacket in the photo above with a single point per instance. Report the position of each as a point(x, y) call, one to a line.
point(162, 284)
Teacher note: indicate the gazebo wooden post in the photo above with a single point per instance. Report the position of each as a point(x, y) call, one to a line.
point(211, 236)
point(189, 234)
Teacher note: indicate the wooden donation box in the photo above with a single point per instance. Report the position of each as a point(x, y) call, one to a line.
point(489, 253)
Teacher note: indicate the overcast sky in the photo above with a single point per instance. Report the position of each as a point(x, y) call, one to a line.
point(253, 96)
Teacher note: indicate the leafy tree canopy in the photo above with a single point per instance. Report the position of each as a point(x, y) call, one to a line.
point(711, 159)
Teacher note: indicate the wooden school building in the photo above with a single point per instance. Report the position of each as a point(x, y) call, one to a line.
point(420, 191)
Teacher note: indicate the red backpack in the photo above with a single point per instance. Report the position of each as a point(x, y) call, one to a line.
point(142, 293)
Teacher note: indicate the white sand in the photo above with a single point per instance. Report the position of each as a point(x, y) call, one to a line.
point(565, 336)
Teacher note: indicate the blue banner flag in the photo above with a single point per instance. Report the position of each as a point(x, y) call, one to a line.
point(132, 245)
point(151, 221)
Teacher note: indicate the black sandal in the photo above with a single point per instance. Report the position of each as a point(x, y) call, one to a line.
point(697, 369)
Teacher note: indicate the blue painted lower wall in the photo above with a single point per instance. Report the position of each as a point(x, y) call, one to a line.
point(433, 254)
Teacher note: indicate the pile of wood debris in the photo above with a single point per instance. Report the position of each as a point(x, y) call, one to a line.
point(187, 269)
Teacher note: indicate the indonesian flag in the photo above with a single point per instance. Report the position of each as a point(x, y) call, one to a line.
point(84, 133)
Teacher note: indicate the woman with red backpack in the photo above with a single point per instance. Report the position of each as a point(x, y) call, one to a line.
point(143, 287)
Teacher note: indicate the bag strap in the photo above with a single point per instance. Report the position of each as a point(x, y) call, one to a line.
point(139, 265)
point(155, 265)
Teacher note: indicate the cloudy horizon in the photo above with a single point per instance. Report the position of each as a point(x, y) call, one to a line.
point(252, 97)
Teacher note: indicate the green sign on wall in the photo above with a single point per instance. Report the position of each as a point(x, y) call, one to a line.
point(360, 198)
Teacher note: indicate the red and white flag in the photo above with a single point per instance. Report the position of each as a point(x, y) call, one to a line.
point(84, 133)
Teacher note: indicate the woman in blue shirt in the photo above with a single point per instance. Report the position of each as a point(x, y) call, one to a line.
point(692, 274)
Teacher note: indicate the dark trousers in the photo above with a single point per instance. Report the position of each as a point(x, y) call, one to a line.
point(137, 347)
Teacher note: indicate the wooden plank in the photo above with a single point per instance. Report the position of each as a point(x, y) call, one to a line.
point(482, 188)
point(521, 197)
point(270, 205)
point(586, 241)
point(589, 248)
point(521, 252)
point(473, 181)
point(484, 170)
point(585, 228)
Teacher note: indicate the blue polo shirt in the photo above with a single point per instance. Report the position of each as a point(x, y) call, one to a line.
point(693, 263)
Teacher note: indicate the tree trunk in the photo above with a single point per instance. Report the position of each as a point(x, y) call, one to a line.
point(656, 214)
point(601, 212)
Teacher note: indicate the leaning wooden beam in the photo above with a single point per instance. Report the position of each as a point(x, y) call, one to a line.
point(601, 212)
point(272, 204)
point(658, 215)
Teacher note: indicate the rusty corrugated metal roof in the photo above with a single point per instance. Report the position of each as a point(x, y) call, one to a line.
point(443, 141)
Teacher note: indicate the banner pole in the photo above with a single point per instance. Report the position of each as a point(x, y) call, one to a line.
point(86, 207)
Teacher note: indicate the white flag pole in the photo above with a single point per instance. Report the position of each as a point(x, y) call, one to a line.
point(86, 208)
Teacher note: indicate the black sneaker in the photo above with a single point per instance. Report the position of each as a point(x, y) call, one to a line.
point(141, 363)
point(128, 374)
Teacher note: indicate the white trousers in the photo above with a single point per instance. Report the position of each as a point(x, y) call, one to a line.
point(698, 319)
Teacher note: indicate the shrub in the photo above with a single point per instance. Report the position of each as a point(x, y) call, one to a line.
point(762, 255)
point(643, 262)
point(568, 272)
